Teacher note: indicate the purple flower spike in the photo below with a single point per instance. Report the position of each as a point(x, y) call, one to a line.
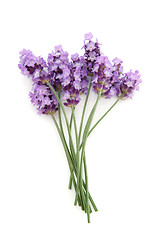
point(42, 97)
point(32, 66)
point(78, 81)
point(129, 83)
point(92, 52)
point(117, 61)
point(58, 68)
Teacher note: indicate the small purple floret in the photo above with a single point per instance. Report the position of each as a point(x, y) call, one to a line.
point(88, 36)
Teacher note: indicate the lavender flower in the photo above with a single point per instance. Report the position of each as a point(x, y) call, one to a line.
point(36, 68)
point(78, 81)
point(106, 78)
point(32, 66)
point(103, 75)
point(129, 82)
point(92, 51)
point(42, 97)
point(58, 68)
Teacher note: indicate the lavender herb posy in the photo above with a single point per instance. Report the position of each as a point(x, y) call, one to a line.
point(60, 81)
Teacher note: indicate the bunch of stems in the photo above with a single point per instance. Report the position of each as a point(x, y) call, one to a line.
point(76, 154)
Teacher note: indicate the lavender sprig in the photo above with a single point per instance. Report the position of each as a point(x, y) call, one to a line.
point(57, 85)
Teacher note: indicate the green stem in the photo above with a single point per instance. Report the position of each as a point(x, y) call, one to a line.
point(67, 123)
point(62, 131)
point(71, 166)
point(77, 159)
point(60, 118)
point(71, 120)
point(67, 153)
point(79, 137)
point(70, 142)
point(87, 193)
point(79, 179)
point(75, 126)
point(101, 119)
point(69, 132)
point(77, 155)
point(70, 182)
point(103, 115)
point(70, 125)
point(84, 109)
point(64, 113)
point(85, 134)
point(81, 124)
point(91, 199)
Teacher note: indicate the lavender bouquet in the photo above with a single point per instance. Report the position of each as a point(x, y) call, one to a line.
point(58, 84)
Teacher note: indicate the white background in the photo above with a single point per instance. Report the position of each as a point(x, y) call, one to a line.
point(123, 152)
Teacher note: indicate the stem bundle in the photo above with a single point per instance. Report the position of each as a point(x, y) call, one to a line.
point(77, 158)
